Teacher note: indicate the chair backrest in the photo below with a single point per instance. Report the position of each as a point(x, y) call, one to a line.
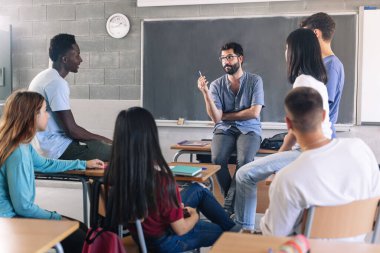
point(101, 203)
point(349, 220)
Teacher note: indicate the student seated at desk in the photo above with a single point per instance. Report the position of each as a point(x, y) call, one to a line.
point(143, 187)
point(327, 173)
point(305, 69)
point(24, 114)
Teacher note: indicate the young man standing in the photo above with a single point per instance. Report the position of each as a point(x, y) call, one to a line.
point(247, 177)
point(328, 172)
point(324, 27)
point(63, 138)
point(234, 103)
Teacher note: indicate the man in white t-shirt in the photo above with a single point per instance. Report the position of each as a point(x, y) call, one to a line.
point(328, 171)
point(63, 138)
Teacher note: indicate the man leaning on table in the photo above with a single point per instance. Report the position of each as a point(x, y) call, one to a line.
point(328, 171)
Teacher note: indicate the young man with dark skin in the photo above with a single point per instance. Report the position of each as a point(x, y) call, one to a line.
point(63, 138)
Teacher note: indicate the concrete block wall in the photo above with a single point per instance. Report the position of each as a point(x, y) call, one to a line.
point(111, 67)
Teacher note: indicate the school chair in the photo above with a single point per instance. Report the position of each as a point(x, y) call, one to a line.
point(128, 241)
point(342, 221)
point(98, 211)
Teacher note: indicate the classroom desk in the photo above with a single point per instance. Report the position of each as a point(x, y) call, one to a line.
point(33, 235)
point(206, 150)
point(72, 176)
point(247, 243)
point(203, 176)
point(84, 175)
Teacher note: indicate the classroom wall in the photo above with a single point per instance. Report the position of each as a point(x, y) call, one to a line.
point(109, 77)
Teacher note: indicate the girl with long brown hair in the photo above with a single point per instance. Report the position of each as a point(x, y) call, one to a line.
point(25, 114)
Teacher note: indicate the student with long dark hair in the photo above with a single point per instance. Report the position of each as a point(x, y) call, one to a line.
point(304, 68)
point(142, 186)
point(25, 114)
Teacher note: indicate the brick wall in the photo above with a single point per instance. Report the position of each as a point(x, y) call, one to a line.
point(111, 67)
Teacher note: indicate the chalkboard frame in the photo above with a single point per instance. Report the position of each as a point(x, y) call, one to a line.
point(269, 124)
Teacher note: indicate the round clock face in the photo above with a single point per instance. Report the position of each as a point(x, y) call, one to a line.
point(118, 25)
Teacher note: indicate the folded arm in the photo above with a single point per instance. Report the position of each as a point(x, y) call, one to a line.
point(250, 113)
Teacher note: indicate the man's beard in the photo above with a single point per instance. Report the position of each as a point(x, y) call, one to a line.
point(232, 68)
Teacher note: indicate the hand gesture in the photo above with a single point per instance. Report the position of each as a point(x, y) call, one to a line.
point(202, 84)
point(95, 164)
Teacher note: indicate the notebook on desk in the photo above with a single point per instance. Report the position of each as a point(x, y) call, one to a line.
point(183, 170)
point(198, 143)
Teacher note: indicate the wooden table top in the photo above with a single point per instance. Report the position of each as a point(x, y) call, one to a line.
point(201, 177)
point(33, 235)
point(247, 243)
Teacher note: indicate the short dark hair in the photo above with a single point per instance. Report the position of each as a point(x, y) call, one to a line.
point(304, 56)
point(304, 104)
point(238, 49)
point(321, 21)
point(60, 44)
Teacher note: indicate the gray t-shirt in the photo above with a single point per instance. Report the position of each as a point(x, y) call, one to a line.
point(250, 93)
point(53, 141)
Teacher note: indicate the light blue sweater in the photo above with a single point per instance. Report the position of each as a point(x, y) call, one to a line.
point(17, 183)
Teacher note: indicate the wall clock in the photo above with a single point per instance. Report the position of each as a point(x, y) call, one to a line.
point(118, 25)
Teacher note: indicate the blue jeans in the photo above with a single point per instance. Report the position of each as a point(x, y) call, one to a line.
point(203, 234)
point(246, 184)
point(224, 143)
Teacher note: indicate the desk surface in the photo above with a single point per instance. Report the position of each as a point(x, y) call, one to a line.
point(33, 235)
point(201, 177)
point(207, 148)
point(246, 243)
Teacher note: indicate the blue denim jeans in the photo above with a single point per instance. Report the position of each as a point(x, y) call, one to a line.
point(204, 233)
point(246, 184)
point(224, 143)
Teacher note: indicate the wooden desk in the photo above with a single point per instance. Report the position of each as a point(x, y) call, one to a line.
point(204, 176)
point(246, 243)
point(33, 235)
point(73, 176)
point(206, 150)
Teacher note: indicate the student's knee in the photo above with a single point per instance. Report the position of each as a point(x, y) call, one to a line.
point(241, 175)
point(219, 159)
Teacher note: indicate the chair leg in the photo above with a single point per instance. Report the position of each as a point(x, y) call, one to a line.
point(376, 230)
point(140, 234)
point(58, 247)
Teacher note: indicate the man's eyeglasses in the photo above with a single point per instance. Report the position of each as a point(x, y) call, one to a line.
point(228, 57)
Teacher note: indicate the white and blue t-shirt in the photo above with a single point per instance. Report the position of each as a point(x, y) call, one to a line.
point(53, 141)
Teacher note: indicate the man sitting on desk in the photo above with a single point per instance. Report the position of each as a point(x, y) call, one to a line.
point(234, 103)
point(328, 172)
point(63, 138)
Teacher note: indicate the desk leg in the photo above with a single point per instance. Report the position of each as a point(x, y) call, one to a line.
point(175, 158)
point(85, 206)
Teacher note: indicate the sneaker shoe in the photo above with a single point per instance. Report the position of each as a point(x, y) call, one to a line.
point(247, 231)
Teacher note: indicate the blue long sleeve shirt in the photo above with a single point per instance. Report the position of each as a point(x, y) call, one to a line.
point(17, 183)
